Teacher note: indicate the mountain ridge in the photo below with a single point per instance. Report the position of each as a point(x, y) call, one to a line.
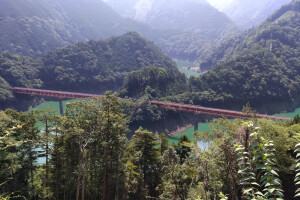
point(269, 31)
point(93, 66)
point(33, 29)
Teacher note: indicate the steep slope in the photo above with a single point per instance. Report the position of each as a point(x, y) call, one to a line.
point(278, 32)
point(189, 27)
point(262, 68)
point(249, 13)
point(94, 66)
point(99, 66)
point(17, 70)
point(35, 27)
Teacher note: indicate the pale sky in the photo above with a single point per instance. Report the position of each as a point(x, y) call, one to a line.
point(220, 4)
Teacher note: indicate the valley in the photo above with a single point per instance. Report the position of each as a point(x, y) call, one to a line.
point(188, 131)
point(155, 63)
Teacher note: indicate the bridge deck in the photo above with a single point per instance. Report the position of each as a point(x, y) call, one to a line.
point(163, 104)
point(53, 93)
point(211, 111)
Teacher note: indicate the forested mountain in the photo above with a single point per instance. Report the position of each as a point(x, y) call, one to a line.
point(261, 68)
point(17, 70)
point(35, 27)
point(94, 66)
point(249, 13)
point(279, 32)
point(190, 27)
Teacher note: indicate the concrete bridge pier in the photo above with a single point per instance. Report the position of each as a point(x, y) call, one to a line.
point(61, 108)
point(196, 126)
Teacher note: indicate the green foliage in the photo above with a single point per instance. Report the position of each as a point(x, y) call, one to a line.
point(248, 180)
point(18, 154)
point(88, 156)
point(94, 66)
point(251, 72)
point(141, 111)
point(297, 170)
point(257, 163)
point(296, 119)
point(94, 133)
point(183, 148)
point(17, 71)
point(42, 26)
point(283, 138)
point(280, 29)
point(248, 72)
point(153, 82)
point(176, 178)
point(145, 156)
point(222, 196)
point(254, 77)
point(5, 93)
point(163, 143)
point(99, 66)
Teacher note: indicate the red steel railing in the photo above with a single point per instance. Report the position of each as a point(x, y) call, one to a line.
point(210, 111)
point(53, 93)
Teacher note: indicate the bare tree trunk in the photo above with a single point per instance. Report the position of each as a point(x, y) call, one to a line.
point(31, 173)
point(79, 175)
point(247, 134)
point(117, 183)
point(105, 174)
point(56, 166)
point(84, 178)
point(106, 156)
point(117, 188)
point(47, 152)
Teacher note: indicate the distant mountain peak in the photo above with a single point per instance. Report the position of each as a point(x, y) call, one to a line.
point(249, 13)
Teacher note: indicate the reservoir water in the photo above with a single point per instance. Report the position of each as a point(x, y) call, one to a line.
point(183, 66)
point(53, 105)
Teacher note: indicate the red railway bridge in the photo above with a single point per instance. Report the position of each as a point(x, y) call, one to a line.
point(163, 104)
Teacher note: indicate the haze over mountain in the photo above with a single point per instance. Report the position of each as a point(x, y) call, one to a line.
point(249, 13)
point(35, 27)
point(261, 66)
point(183, 28)
point(190, 27)
point(280, 30)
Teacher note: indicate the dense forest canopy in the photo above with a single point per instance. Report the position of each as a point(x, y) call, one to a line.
point(88, 156)
point(99, 66)
point(261, 67)
point(35, 27)
point(280, 29)
point(94, 66)
point(40, 27)
point(101, 149)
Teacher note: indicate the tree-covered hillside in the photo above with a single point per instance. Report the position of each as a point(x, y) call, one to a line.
point(189, 28)
point(154, 81)
point(94, 66)
point(249, 13)
point(262, 68)
point(87, 155)
point(279, 33)
point(35, 27)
